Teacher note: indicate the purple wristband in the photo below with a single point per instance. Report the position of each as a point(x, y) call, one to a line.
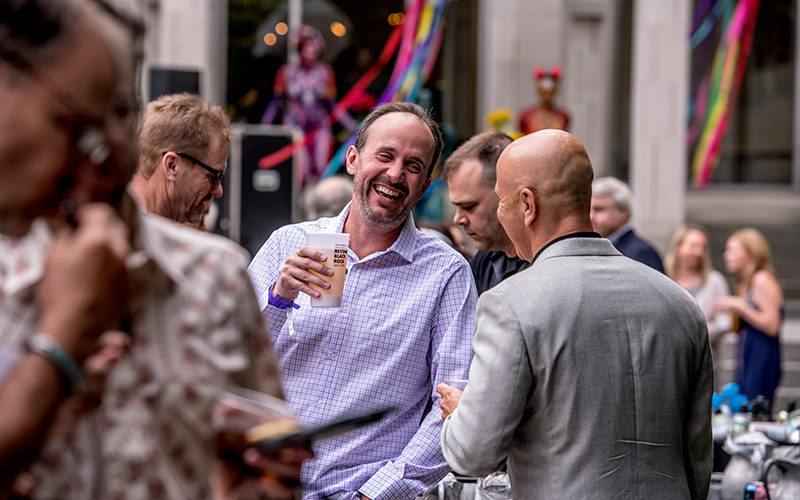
point(278, 301)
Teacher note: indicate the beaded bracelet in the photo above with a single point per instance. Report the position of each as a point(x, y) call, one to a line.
point(46, 346)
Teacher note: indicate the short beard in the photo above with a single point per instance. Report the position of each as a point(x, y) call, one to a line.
point(495, 237)
point(195, 215)
point(172, 210)
point(383, 223)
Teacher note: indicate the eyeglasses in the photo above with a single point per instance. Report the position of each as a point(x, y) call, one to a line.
point(89, 132)
point(215, 174)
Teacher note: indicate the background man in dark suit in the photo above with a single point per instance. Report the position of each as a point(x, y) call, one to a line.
point(611, 215)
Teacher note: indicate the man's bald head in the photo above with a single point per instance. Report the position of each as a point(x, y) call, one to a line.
point(554, 165)
point(544, 181)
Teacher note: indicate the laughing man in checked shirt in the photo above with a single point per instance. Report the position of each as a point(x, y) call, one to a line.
point(405, 323)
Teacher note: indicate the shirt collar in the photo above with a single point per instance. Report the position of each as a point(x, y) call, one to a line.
point(151, 250)
point(406, 242)
point(619, 233)
point(581, 234)
point(336, 224)
point(404, 245)
point(23, 259)
point(495, 255)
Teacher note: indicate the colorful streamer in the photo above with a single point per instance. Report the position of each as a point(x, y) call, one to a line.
point(422, 37)
point(352, 95)
point(422, 33)
point(717, 92)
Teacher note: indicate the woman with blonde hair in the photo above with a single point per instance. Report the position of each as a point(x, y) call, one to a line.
point(688, 264)
point(759, 305)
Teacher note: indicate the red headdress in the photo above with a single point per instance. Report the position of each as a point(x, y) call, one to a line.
point(554, 73)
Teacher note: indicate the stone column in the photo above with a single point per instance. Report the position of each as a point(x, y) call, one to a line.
point(514, 36)
point(659, 89)
point(187, 35)
point(588, 76)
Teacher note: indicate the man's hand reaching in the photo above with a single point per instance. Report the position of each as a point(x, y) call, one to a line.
point(449, 400)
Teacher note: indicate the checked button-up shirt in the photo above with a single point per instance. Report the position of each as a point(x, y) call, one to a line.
point(405, 325)
point(195, 328)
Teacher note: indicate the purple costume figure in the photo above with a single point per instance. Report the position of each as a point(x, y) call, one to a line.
point(306, 91)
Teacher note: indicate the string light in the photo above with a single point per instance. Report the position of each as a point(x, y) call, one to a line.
point(338, 29)
point(281, 28)
point(270, 38)
point(397, 18)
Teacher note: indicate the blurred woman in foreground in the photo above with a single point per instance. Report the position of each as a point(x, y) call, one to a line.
point(759, 305)
point(689, 265)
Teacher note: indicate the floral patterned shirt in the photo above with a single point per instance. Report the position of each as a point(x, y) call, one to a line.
point(195, 326)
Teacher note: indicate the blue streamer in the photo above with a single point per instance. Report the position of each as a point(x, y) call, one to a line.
point(706, 26)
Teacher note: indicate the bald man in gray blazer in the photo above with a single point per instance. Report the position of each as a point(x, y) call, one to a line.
point(592, 372)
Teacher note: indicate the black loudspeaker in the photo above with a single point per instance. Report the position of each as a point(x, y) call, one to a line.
point(256, 202)
point(164, 81)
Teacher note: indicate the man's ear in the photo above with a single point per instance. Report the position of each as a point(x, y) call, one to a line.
point(427, 184)
point(528, 206)
point(626, 213)
point(169, 165)
point(352, 158)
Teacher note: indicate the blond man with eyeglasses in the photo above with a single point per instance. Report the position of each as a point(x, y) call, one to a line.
point(183, 144)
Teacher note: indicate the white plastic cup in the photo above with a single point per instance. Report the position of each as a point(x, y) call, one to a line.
point(455, 383)
point(334, 246)
point(459, 384)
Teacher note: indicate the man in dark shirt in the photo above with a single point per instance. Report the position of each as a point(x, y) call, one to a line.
point(470, 176)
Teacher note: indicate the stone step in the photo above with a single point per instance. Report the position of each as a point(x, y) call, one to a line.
point(790, 352)
point(790, 349)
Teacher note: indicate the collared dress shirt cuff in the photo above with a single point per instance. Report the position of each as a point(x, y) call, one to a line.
point(388, 483)
point(278, 301)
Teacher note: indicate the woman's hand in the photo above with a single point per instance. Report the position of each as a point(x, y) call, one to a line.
point(765, 293)
point(730, 304)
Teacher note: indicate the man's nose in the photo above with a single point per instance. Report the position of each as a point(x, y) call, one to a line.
point(216, 191)
point(459, 218)
point(396, 170)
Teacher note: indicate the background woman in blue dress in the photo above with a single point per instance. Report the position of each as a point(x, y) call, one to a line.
point(759, 307)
